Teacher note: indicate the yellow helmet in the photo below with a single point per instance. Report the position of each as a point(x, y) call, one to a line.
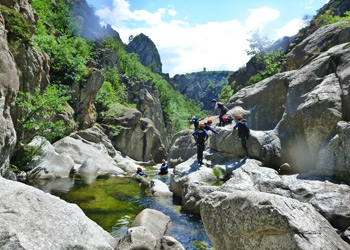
point(201, 125)
point(163, 160)
point(239, 117)
point(210, 121)
point(138, 168)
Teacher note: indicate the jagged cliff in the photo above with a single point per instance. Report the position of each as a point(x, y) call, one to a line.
point(146, 51)
point(88, 64)
point(298, 153)
point(202, 86)
point(298, 118)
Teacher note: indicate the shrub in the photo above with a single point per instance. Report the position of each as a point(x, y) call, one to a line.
point(40, 109)
point(329, 18)
point(272, 61)
point(16, 25)
point(57, 35)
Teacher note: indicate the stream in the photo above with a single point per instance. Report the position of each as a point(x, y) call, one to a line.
point(113, 203)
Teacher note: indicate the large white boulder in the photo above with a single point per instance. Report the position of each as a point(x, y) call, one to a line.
point(159, 189)
point(156, 222)
point(48, 164)
point(32, 219)
point(255, 220)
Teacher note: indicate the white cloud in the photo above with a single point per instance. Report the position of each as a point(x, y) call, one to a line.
point(291, 28)
point(172, 12)
point(186, 48)
point(259, 17)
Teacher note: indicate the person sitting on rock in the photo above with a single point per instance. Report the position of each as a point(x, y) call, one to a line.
point(140, 172)
point(243, 132)
point(200, 135)
point(207, 127)
point(195, 121)
point(163, 168)
point(222, 109)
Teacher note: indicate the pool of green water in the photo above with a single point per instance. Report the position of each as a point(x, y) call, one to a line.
point(114, 202)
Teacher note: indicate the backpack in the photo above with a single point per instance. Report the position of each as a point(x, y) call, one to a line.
point(221, 106)
point(243, 129)
point(201, 135)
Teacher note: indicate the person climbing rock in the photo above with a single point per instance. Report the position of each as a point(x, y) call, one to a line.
point(200, 135)
point(243, 132)
point(222, 109)
point(163, 168)
point(207, 126)
point(195, 121)
point(140, 172)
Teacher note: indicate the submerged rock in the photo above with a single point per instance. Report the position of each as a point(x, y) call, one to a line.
point(159, 189)
point(255, 220)
point(137, 238)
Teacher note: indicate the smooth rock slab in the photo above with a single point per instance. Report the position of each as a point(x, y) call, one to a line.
point(31, 219)
point(254, 220)
point(159, 189)
point(156, 222)
point(137, 238)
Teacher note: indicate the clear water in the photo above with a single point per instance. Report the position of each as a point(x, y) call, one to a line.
point(114, 202)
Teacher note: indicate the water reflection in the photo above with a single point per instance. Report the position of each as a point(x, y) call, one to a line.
point(114, 202)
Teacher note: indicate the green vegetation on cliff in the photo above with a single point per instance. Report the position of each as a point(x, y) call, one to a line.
point(57, 34)
point(40, 111)
point(16, 25)
point(176, 108)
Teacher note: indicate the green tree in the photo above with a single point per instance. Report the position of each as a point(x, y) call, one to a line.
point(40, 109)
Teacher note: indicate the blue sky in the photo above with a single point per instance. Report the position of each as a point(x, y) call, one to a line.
point(194, 34)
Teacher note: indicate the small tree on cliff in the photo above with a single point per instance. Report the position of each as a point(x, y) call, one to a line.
point(257, 44)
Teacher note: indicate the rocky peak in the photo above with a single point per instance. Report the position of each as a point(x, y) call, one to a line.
point(146, 51)
point(201, 86)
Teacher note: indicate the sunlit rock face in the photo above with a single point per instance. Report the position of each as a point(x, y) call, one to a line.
point(254, 220)
point(303, 108)
point(9, 84)
point(32, 219)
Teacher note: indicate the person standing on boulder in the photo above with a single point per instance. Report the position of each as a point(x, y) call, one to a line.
point(243, 132)
point(201, 136)
point(222, 109)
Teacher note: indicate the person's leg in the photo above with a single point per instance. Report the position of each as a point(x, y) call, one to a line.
point(244, 145)
point(200, 153)
point(221, 121)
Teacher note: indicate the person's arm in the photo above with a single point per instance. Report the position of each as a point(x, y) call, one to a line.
point(212, 113)
point(236, 126)
point(211, 129)
point(206, 135)
point(195, 135)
